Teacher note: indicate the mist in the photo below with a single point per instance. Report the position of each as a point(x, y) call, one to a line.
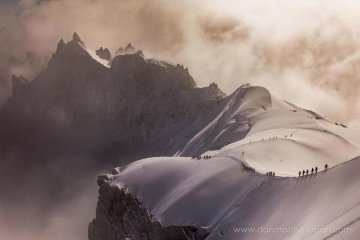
point(305, 52)
point(277, 44)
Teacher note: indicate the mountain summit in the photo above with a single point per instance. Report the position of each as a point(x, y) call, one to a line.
point(88, 111)
point(83, 113)
point(142, 103)
point(218, 185)
point(77, 39)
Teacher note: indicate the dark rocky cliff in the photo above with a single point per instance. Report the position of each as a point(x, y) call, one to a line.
point(120, 216)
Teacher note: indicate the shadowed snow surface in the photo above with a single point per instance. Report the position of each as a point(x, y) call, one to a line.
point(219, 195)
point(271, 135)
point(255, 129)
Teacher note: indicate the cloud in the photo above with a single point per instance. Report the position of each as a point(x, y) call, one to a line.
point(229, 44)
point(306, 52)
point(223, 29)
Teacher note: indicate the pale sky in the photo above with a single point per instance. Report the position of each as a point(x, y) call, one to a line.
point(306, 52)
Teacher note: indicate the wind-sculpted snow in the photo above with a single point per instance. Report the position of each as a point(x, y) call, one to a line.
point(271, 135)
point(223, 187)
point(219, 195)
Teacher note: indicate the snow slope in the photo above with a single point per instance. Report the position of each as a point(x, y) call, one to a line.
point(221, 196)
point(103, 62)
point(253, 128)
point(272, 135)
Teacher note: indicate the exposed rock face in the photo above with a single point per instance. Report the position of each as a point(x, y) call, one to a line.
point(120, 215)
point(129, 49)
point(79, 115)
point(104, 53)
point(77, 39)
point(136, 104)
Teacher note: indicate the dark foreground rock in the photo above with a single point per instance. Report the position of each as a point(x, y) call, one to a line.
point(120, 215)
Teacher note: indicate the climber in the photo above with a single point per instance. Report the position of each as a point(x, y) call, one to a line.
point(326, 167)
point(316, 169)
point(299, 173)
point(303, 172)
point(307, 171)
point(312, 170)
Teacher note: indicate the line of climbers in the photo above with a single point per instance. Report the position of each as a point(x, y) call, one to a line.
point(312, 171)
point(272, 174)
point(271, 138)
point(199, 157)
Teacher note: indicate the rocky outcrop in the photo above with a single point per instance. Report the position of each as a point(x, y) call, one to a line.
point(79, 114)
point(120, 216)
point(136, 105)
point(104, 53)
point(77, 39)
point(129, 49)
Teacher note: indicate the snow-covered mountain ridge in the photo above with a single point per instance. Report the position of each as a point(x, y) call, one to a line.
point(226, 200)
point(272, 135)
point(247, 135)
point(87, 110)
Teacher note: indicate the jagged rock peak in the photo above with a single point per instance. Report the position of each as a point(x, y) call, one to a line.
point(104, 53)
point(121, 215)
point(68, 51)
point(129, 49)
point(60, 45)
point(213, 85)
point(77, 39)
point(120, 51)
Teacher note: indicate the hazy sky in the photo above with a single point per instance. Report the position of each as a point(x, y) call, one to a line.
point(306, 52)
point(303, 51)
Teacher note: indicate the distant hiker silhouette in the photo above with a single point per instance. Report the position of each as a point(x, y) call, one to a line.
point(303, 172)
point(299, 173)
point(307, 171)
point(316, 169)
point(312, 170)
point(326, 167)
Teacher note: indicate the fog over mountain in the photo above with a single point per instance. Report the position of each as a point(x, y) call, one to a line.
point(208, 95)
point(81, 115)
point(281, 45)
